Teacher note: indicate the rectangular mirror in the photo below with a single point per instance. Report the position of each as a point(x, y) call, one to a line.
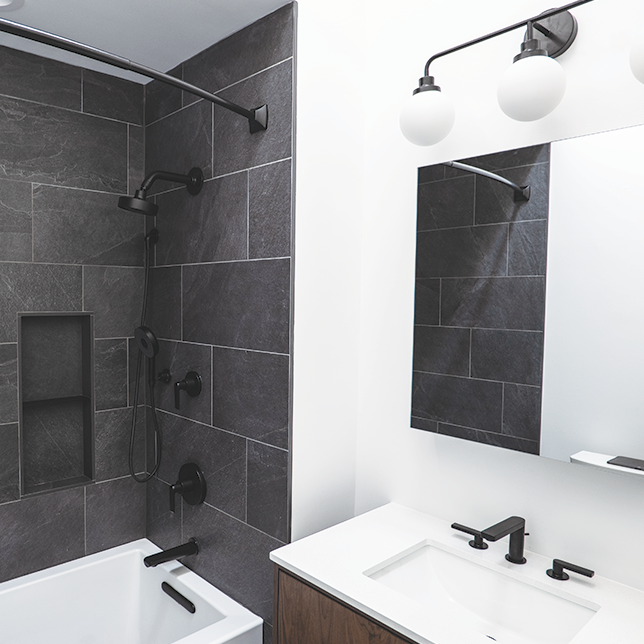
point(507, 353)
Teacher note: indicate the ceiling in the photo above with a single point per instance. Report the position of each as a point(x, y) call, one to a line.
point(156, 33)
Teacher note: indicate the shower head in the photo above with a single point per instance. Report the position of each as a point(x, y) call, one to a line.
point(139, 203)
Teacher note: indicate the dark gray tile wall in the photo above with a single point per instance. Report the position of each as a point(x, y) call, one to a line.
point(480, 300)
point(221, 304)
point(71, 141)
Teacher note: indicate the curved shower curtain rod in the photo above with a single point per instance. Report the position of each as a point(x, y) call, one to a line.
point(257, 118)
point(521, 193)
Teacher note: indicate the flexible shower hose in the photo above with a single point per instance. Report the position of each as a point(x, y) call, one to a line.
point(150, 238)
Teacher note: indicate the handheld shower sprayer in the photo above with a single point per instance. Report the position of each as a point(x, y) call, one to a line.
point(139, 202)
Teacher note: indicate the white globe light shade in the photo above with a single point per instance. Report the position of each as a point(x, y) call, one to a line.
point(637, 60)
point(531, 88)
point(427, 117)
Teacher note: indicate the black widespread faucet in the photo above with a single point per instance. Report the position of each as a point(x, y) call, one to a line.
point(189, 548)
point(513, 526)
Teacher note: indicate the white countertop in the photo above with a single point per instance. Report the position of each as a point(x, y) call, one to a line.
point(335, 560)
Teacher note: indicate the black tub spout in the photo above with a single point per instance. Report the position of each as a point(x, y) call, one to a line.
point(189, 548)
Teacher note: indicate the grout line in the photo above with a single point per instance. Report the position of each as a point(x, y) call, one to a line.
point(228, 431)
point(222, 89)
point(66, 109)
point(451, 375)
point(226, 261)
point(248, 214)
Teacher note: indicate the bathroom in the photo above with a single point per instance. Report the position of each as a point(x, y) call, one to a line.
point(351, 448)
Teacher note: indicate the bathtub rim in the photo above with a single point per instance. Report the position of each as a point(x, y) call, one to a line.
point(237, 620)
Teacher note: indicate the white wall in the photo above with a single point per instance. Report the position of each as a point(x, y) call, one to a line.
point(589, 517)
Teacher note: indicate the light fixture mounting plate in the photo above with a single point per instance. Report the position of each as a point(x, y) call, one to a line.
point(562, 30)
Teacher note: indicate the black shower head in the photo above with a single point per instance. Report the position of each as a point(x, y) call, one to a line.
point(138, 203)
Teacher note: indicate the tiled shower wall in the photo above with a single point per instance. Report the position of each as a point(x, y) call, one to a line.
point(70, 142)
point(480, 300)
point(221, 304)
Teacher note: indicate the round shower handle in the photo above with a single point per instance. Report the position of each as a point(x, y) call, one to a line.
point(191, 384)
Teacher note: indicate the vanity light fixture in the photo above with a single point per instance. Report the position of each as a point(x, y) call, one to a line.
point(529, 90)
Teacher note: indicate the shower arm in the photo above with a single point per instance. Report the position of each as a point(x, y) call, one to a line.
point(521, 193)
point(257, 118)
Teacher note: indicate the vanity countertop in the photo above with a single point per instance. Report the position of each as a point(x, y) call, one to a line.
point(336, 559)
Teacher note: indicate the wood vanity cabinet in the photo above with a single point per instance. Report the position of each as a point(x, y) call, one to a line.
point(304, 614)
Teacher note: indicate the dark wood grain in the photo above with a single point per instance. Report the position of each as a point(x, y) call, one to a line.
point(307, 615)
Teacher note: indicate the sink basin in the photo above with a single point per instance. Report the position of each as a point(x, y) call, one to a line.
point(483, 597)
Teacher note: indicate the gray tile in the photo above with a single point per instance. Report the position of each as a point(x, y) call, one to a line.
point(36, 287)
point(39, 79)
point(427, 301)
point(528, 248)
point(115, 513)
point(180, 142)
point(114, 295)
point(15, 221)
point(110, 373)
point(8, 383)
point(497, 303)
point(270, 211)
point(446, 204)
point(112, 443)
point(9, 470)
point(522, 412)
point(164, 302)
point(458, 401)
point(208, 227)
point(237, 149)
point(442, 350)
point(82, 227)
point(258, 46)
point(490, 438)
point(56, 146)
point(424, 424)
point(40, 532)
point(233, 557)
point(476, 251)
point(220, 455)
point(251, 394)
point(162, 99)
point(136, 158)
point(112, 97)
point(431, 173)
point(238, 304)
point(495, 201)
point(162, 526)
point(268, 489)
point(180, 358)
point(509, 356)
point(53, 439)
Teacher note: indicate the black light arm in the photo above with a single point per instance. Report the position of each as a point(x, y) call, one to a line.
point(524, 23)
point(257, 118)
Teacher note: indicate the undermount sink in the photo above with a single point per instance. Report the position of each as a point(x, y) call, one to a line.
point(483, 597)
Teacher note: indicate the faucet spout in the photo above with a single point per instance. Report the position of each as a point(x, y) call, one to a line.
point(513, 526)
point(189, 548)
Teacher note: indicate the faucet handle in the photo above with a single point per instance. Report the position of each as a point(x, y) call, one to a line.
point(191, 384)
point(477, 542)
point(191, 484)
point(558, 566)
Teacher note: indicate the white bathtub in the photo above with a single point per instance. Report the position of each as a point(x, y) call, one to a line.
point(112, 598)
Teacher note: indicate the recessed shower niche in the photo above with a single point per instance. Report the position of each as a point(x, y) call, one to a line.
point(56, 400)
